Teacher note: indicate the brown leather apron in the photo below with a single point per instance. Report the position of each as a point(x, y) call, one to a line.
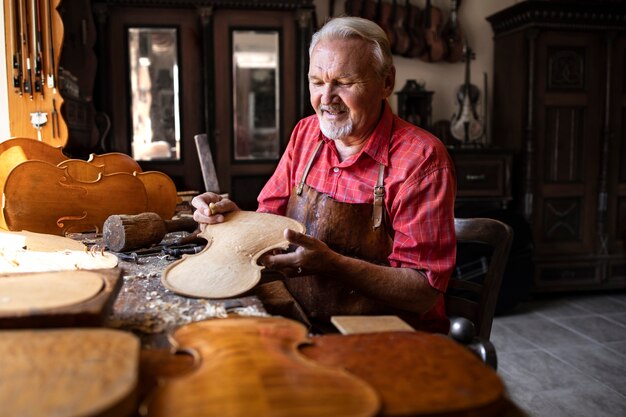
point(356, 230)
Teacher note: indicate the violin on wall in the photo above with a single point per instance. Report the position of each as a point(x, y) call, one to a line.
point(453, 35)
point(465, 124)
point(413, 32)
point(435, 48)
point(384, 19)
point(413, 15)
point(402, 40)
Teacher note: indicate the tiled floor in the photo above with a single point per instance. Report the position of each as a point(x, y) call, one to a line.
point(565, 356)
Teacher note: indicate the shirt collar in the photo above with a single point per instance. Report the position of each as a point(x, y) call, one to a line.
point(377, 146)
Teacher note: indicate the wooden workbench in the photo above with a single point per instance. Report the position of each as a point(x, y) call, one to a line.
point(151, 311)
point(392, 364)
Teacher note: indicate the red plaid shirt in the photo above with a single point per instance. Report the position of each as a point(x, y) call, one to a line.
point(420, 188)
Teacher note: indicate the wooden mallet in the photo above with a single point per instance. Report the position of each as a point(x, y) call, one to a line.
point(125, 232)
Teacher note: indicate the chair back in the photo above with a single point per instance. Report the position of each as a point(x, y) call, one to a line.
point(474, 299)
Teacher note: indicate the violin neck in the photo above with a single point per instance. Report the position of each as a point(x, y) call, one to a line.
point(468, 58)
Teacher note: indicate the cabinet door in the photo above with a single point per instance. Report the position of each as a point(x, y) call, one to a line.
point(569, 107)
point(255, 101)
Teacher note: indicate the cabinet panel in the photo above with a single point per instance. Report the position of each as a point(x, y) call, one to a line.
point(567, 133)
point(483, 175)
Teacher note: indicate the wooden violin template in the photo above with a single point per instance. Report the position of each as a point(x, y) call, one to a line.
point(251, 366)
point(46, 192)
point(44, 198)
point(228, 265)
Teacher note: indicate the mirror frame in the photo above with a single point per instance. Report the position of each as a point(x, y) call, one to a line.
point(178, 98)
point(279, 97)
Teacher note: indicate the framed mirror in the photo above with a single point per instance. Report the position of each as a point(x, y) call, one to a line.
point(154, 93)
point(256, 95)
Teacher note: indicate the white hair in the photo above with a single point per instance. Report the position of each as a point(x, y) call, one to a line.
point(351, 27)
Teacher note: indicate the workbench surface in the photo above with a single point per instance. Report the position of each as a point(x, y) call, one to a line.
point(151, 311)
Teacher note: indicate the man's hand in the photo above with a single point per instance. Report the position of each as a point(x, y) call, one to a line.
point(309, 258)
point(210, 208)
point(402, 288)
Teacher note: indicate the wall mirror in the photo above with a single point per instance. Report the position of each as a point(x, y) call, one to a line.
point(154, 90)
point(256, 94)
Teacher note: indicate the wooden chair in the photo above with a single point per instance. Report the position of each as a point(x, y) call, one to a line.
point(471, 303)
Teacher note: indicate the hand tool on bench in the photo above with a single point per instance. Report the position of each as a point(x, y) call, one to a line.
point(125, 232)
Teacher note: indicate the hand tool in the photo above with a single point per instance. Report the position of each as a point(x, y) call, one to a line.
point(123, 232)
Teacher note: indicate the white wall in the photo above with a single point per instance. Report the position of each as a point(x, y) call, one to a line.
point(442, 77)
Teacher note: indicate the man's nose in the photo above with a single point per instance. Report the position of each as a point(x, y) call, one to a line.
point(328, 94)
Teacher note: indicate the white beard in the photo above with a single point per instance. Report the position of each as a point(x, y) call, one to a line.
point(334, 131)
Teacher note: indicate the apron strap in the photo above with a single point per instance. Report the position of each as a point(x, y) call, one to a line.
point(308, 167)
point(379, 198)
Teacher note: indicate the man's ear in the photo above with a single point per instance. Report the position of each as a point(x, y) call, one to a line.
point(390, 81)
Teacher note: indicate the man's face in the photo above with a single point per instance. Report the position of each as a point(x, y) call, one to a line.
point(346, 92)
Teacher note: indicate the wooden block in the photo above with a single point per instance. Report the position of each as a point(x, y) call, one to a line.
point(369, 324)
point(68, 372)
point(89, 311)
point(414, 373)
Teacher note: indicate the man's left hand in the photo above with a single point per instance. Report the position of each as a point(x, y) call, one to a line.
point(311, 254)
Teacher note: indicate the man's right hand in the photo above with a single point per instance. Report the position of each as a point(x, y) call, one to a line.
point(210, 208)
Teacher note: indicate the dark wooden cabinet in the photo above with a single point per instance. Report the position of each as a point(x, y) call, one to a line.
point(560, 106)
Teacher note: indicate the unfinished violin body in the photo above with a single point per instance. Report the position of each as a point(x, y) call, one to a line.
point(252, 367)
point(41, 197)
point(160, 189)
point(46, 192)
point(228, 264)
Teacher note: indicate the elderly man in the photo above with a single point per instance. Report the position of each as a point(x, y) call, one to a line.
point(375, 192)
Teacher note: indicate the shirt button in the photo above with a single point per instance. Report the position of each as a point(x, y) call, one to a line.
point(335, 170)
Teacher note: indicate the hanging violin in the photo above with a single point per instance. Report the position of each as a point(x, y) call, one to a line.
point(435, 48)
point(465, 124)
point(453, 34)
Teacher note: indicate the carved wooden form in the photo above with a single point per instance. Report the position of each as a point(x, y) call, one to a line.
point(68, 372)
point(415, 373)
point(39, 252)
point(251, 366)
point(46, 192)
point(88, 312)
point(44, 198)
point(228, 264)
